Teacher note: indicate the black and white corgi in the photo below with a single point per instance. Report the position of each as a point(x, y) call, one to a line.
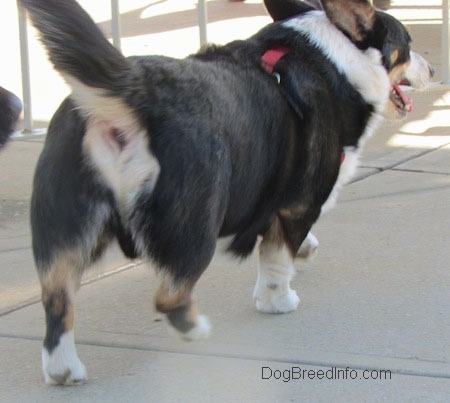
point(165, 155)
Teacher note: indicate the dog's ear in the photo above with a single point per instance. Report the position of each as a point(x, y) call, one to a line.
point(355, 18)
point(282, 9)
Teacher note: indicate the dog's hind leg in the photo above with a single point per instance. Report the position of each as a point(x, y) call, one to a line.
point(59, 283)
point(174, 295)
point(177, 302)
point(73, 220)
point(60, 278)
point(60, 268)
point(180, 266)
point(182, 249)
point(60, 275)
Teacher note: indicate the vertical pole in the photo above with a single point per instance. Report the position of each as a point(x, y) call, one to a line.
point(445, 42)
point(115, 23)
point(25, 67)
point(202, 21)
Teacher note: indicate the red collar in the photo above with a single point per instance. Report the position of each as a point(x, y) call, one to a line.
point(272, 56)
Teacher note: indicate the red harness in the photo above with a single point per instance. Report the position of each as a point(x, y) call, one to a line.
point(272, 57)
point(269, 60)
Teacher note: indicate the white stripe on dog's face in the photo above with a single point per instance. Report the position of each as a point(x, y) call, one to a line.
point(363, 69)
point(419, 71)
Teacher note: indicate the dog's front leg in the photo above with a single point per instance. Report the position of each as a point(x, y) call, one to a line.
point(277, 251)
point(272, 292)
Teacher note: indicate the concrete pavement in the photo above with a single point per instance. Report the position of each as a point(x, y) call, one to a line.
point(376, 298)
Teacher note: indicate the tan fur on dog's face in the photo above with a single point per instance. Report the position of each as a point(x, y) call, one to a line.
point(393, 111)
point(403, 66)
point(416, 73)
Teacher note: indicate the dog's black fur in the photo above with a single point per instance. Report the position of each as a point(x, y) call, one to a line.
point(235, 153)
point(10, 108)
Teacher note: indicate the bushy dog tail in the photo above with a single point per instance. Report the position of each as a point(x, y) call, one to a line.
point(97, 72)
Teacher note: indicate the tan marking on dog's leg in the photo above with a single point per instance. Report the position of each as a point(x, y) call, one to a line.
point(59, 283)
point(181, 310)
point(169, 296)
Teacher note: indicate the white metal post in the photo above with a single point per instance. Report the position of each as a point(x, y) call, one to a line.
point(202, 21)
point(445, 42)
point(115, 23)
point(25, 67)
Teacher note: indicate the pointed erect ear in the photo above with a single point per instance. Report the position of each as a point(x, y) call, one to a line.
point(354, 17)
point(283, 9)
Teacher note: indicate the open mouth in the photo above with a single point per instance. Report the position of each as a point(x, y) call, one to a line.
point(402, 102)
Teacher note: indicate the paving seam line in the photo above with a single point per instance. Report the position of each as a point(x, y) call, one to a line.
point(393, 166)
point(34, 300)
point(399, 366)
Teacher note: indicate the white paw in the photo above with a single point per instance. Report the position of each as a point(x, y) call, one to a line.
point(202, 330)
point(62, 366)
point(271, 301)
point(309, 247)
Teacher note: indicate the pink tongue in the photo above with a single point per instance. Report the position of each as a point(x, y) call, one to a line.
point(406, 100)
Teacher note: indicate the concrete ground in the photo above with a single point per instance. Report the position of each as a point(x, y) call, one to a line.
point(375, 302)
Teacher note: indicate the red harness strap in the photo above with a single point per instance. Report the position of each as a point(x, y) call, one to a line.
point(271, 57)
